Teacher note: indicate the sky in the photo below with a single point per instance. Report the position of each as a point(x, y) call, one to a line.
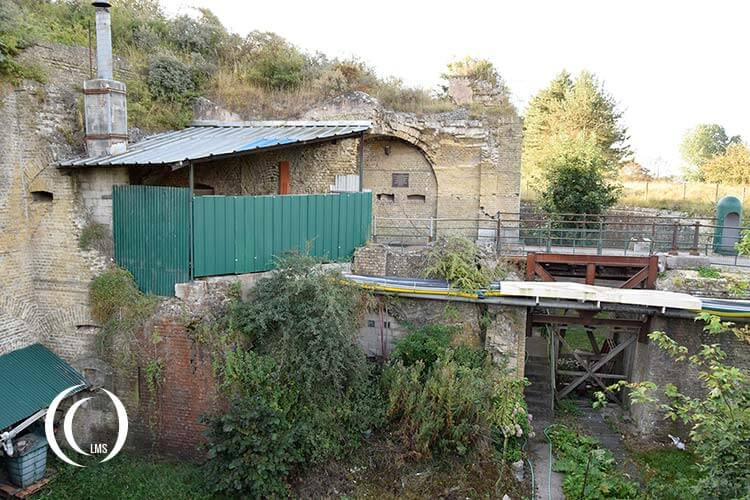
point(669, 64)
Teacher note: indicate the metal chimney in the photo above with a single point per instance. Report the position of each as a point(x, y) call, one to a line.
point(105, 104)
point(103, 41)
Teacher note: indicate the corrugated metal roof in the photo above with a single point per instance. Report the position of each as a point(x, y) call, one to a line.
point(30, 378)
point(208, 139)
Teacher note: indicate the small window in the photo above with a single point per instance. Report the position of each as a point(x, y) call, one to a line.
point(42, 196)
point(386, 197)
point(370, 323)
point(400, 180)
point(417, 198)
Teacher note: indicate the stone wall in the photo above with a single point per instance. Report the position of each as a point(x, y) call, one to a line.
point(650, 363)
point(44, 275)
point(312, 168)
point(476, 161)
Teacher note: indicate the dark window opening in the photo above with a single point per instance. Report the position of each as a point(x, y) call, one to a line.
point(202, 190)
point(419, 198)
point(42, 196)
point(400, 180)
point(386, 197)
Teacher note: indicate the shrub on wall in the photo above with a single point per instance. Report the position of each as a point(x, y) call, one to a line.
point(170, 79)
point(301, 389)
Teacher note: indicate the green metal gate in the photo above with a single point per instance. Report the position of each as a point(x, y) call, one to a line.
point(151, 229)
point(243, 234)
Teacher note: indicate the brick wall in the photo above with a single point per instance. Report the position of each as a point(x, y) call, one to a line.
point(44, 275)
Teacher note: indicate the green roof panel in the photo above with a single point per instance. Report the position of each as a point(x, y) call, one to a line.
point(30, 378)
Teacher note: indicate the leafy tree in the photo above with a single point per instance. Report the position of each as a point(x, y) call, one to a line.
point(578, 178)
point(719, 419)
point(703, 143)
point(568, 109)
point(732, 167)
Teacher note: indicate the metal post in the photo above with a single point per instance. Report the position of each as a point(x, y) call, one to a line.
point(600, 242)
point(190, 222)
point(361, 160)
point(696, 238)
point(717, 193)
point(674, 239)
point(684, 190)
point(646, 190)
point(374, 226)
point(432, 229)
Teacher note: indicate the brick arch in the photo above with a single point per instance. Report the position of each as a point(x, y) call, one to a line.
point(26, 318)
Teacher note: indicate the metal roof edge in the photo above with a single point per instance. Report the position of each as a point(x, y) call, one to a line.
point(282, 123)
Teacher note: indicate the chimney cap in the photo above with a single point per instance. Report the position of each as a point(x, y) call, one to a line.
point(106, 5)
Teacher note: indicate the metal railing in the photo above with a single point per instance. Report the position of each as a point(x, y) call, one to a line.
point(617, 234)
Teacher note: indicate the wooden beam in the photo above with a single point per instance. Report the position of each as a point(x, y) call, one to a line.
point(590, 273)
point(637, 278)
point(575, 383)
point(552, 319)
point(542, 273)
point(590, 374)
point(600, 375)
point(530, 265)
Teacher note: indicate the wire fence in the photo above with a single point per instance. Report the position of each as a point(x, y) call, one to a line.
point(613, 234)
point(666, 191)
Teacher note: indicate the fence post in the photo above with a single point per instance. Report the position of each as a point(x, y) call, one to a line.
point(684, 190)
point(696, 238)
point(549, 236)
point(497, 234)
point(432, 229)
point(717, 193)
point(673, 251)
point(599, 243)
point(646, 190)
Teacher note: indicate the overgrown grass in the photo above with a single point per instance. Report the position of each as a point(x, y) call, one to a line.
point(668, 473)
point(127, 477)
point(708, 272)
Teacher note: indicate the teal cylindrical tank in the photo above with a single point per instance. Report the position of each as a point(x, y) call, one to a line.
point(728, 225)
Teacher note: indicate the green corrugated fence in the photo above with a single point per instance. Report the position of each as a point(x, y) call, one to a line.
point(231, 234)
point(151, 232)
point(243, 234)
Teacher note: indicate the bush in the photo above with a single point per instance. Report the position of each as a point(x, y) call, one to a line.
point(170, 79)
point(453, 400)
point(121, 309)
point(577, 179)
point(302, 392)
point(719, 419)
point(457, 261)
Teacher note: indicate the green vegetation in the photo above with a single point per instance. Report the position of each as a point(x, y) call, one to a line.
point(127, 477)
point(174, 59)
point(732, 167)
point(569, 110)
point(719, 419)
point(457, 261)
point(577, 178)
point(702, 144)
point(447, 400)
point(95, 236)
point(121, 309)
point(668, 473)
point(590, 471)
point(300, 388)
point(708, 272)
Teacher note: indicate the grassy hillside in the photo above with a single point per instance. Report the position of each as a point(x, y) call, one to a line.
point(177, 59)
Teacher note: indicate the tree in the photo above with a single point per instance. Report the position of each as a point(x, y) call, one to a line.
point(732, 167)
point(578, 178)
point(703, 143)
point(568, 109)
